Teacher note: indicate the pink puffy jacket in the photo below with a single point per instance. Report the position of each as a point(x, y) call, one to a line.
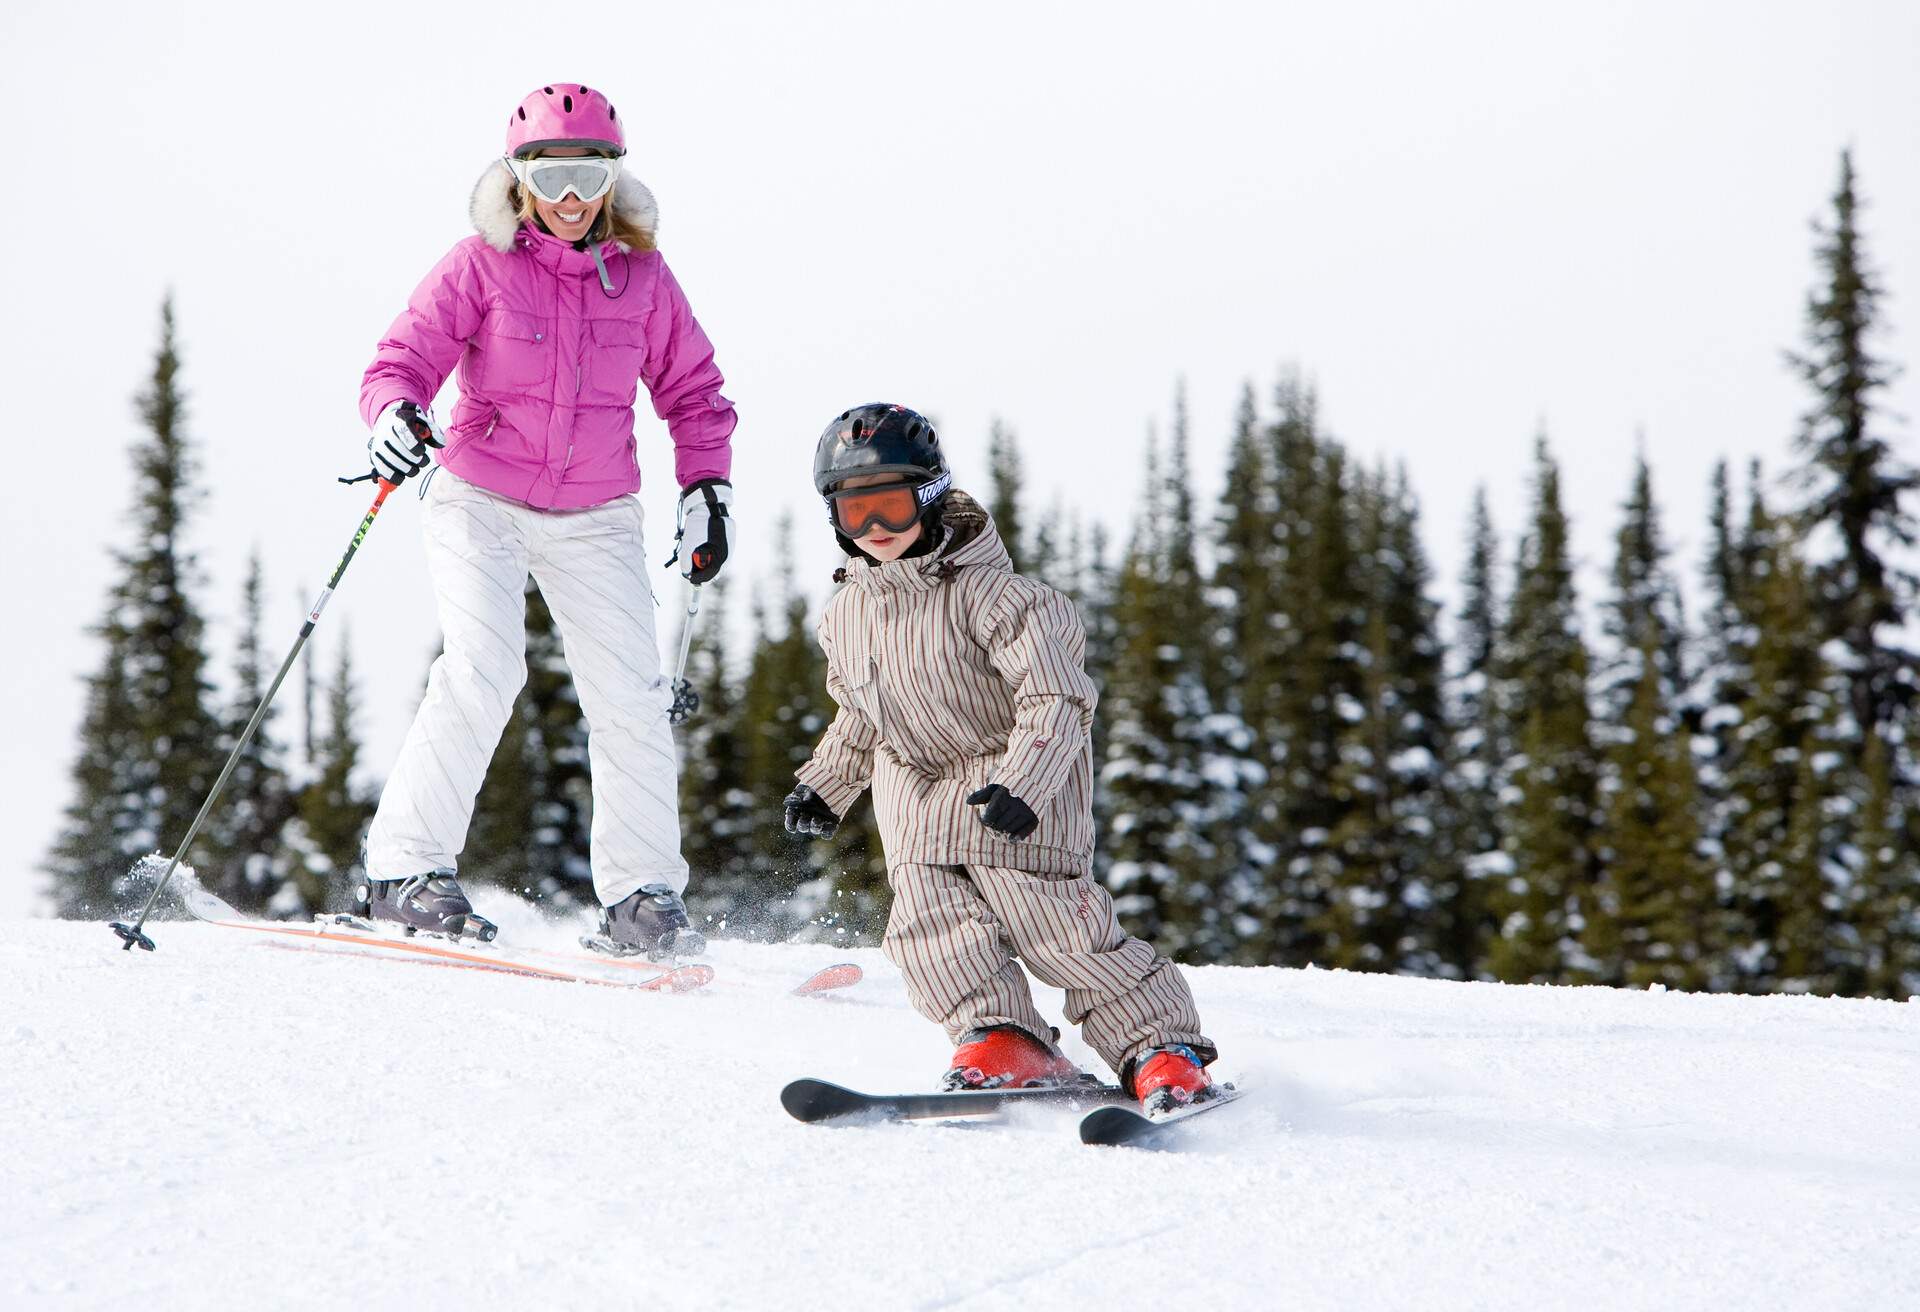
point(549, 359)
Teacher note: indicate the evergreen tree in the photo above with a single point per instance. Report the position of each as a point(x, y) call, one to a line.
point(1395, 878)
point(500, 846)
point(106, 828)
point(1155, 752)
point(334, 811)
point(533, 817)
point(1241, 685)
point(150, 745)
point(1005, 477)
point(560, 868)
point(1858, 491)
point(835, 888)
point(1644, 612)
point(1048, 560)
point(1548, 792)
point(1323, 707)
point(1305, 693)
point(1651, 917)
point(717, 802)
point(1884, 912)
point(1778, 846)
point(1481, 746)
point(247, 863)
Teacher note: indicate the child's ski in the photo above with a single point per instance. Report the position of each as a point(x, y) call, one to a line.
point(1113, 1126)
point(817, 1100)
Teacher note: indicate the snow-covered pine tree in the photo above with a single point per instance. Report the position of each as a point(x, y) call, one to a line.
point(784, 710)
point(1858, 507)
point(149, 748)
point(1883, 909)
point(1548, 785)
point(1398, 881)
point(500, 837)
point(334, 811)
point(717, 813)
point(1145, 772)
point(1323, 703)
point(1651, 917)
point(246, 861)
point(1005, 479)
point(1858, 516)
point(1480, 748)
point(560, 870)
point(1306, 689)
point(1780, 849)
point(1722, 678)
point(1239, 636)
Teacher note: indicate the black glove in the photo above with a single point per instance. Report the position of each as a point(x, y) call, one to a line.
point(399, 441)
point(1005, 812)
point(808, 816)
point(704, 529)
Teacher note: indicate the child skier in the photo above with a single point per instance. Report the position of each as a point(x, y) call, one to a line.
point(553, 315)
point(964, 704)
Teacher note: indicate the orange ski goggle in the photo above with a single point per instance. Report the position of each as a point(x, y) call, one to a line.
point(895, 507)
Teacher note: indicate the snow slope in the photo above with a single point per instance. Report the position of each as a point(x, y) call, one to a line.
point(230, 1122)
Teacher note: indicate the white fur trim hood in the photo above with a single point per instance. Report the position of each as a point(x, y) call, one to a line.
point(491, 208)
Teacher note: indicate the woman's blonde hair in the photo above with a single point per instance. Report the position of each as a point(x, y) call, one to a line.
point(608, 225)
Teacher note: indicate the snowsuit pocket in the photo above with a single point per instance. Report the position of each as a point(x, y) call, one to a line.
point(511, 353)
point(612, 373)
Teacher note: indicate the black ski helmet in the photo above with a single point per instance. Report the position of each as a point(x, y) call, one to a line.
point(877, 439)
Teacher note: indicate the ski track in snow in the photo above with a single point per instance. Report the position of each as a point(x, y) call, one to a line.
point(231, 1122)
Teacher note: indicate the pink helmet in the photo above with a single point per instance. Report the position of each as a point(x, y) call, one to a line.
point(564, 116)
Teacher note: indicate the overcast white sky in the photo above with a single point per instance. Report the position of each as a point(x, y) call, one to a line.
point(1464, 221)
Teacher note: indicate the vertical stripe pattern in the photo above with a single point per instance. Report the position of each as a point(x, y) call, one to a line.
point(955, 932)
point(591, 569)
point(951, 672)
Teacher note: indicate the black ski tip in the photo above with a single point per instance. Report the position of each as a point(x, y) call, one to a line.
point(1114, 1126)
point(129, 937)
point(818, 1100)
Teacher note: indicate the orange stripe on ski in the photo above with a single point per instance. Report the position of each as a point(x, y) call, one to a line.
point(683, 980)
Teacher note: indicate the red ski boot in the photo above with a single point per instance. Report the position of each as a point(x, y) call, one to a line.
point(1005, 1057)
point(1166, 1079)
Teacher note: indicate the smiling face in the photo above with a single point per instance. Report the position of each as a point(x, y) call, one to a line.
point(879, 541)
point(572, 218)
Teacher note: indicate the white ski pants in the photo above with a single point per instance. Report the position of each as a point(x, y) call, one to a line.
point(591, 569)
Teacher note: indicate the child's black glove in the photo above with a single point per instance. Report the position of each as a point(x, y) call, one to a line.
point(808, 815)
point(1004, 812)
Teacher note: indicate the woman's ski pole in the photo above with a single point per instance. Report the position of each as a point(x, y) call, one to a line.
point(685, 700)
point(130, 934)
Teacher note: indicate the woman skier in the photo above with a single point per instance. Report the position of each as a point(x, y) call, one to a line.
point(553, 314)
point(964, 704)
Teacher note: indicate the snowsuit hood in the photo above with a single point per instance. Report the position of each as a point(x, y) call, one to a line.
point(952, 672)
point(550, 360)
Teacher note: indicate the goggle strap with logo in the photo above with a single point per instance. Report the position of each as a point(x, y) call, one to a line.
point(929, 492)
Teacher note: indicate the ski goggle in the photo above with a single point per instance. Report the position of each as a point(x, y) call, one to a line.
point(551, 177)
point(895, 507)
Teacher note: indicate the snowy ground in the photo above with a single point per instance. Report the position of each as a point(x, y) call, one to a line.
point(233, 1123)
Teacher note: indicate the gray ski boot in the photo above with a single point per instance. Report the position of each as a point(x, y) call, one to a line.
point(651, 922)
point(432, 901)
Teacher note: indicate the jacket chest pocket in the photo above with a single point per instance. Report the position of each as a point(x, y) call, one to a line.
point(860, 677)
point(611, 370)
point(511, 352)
